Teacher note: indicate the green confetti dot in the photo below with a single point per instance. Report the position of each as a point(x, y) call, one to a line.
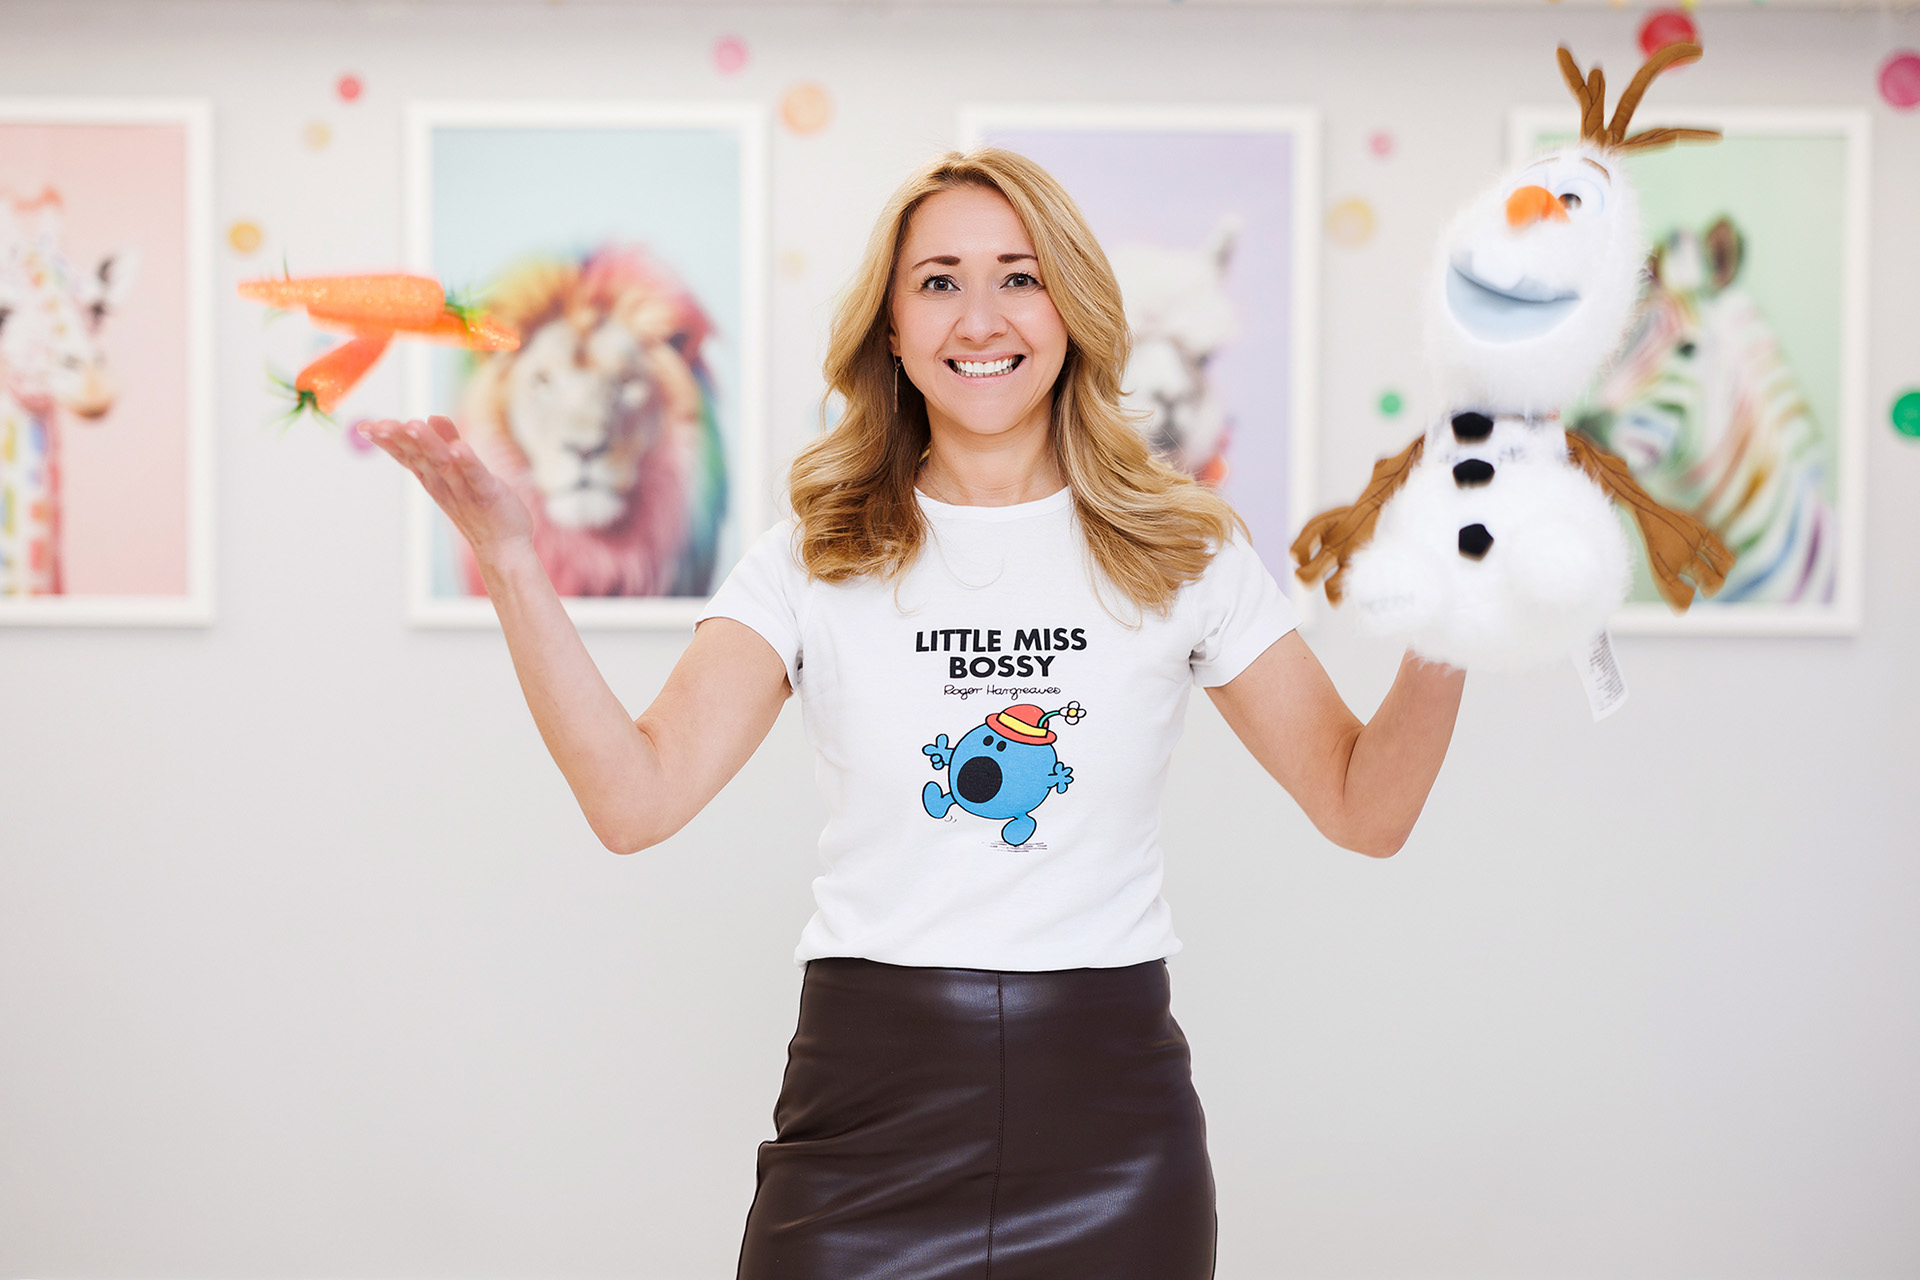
point(1906, 414)
point(1391, 403)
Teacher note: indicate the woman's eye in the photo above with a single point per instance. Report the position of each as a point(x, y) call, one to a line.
point(939, 284)
point(1569, 201)
point(1021, 280)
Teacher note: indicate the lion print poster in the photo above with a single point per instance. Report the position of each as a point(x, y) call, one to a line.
point(624, 242)
point(1209, 217)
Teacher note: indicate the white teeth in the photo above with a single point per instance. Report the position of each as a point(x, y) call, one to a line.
point(983, 368)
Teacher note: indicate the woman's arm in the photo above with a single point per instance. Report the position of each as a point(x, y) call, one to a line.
point(1363, 785)
point(637, 781)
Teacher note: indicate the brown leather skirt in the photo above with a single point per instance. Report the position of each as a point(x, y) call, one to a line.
point(946, 1123)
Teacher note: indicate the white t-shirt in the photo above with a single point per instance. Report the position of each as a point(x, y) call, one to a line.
point(992, 742)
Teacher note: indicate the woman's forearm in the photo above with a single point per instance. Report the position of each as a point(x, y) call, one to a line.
point(609, 763)
point(1397, 755)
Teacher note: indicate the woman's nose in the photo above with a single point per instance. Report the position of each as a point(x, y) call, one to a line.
point(983, 318)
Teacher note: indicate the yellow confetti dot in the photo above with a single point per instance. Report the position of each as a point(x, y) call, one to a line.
point(244, 236)
point(1350, 222)
point(316, 135)
point(806, 108)
point(793, 262)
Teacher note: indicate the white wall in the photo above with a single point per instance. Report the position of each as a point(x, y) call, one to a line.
point(309, 967)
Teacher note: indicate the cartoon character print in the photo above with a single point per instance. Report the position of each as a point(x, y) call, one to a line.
point(1003, 769)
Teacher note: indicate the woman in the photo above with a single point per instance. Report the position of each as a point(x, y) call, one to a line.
point(993, 603)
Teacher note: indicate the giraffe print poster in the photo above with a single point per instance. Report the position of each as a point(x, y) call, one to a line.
point(1739, 394)
point(104, 430)
point(1209, 216)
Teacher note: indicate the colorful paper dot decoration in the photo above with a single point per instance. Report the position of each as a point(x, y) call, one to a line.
point(349, 88)
point(1906, 415)
point(1664, 27)
point(793, 262)
point(729, 55)
point(357, 442)
point(1350, 222)
point(244, 236)
point(1900, 80)
point(1391, 404)
point(806, 108)
point(316, 135)
point(1381, 144)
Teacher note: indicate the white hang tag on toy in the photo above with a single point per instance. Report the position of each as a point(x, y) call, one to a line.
point(1606, 687)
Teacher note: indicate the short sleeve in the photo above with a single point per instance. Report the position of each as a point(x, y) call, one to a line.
point(1241, 612)
point(764, 591)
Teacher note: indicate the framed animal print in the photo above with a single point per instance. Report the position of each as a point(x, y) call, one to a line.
point(1209, 216)
point(626, 242)
point(1739, 395)
point(105, 362)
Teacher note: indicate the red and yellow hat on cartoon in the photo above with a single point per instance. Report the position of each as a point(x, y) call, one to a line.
point(1027, 723)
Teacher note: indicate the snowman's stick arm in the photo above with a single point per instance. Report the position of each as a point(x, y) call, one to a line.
point(1329, 540)
point(1677, 544)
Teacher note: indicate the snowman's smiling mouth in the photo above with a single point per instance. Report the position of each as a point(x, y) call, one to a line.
point(985, 368)
point(1522, 310)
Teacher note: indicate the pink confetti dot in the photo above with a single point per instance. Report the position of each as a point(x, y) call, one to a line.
point(349, 87)
point(1900, 80)
point(1664, 27)
point(357, 442)
point(1381, 144)
point(730, 55)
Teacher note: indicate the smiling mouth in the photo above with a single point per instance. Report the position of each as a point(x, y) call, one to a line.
point(985, 368)
point(1525, 310)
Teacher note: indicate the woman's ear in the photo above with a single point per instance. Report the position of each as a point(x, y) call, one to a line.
point(893, 344)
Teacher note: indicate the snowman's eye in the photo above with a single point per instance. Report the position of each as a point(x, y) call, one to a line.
point(1570, 202)
point(999, 746)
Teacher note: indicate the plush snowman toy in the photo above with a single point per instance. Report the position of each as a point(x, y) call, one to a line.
point(1491, 541)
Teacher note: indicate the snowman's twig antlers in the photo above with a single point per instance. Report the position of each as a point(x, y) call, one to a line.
point(1590, 91)
point(1672, 55)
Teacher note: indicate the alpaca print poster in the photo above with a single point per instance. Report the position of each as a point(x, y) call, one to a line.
point(104, 430)
point(1208, 216)
point(1738, 396)
point(624, 242)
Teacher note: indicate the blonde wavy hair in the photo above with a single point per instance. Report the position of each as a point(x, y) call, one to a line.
point(1149, 528)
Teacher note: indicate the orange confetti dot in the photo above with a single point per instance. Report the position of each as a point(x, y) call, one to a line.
point(793, 262)
point(806, 108)
point(316, 135)
point(1350, 223)
point(244, 236)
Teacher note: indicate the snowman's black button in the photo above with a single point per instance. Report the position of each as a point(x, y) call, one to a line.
point(1474, 541)
point(1472, 426)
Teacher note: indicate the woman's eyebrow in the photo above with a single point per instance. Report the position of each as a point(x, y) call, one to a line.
point(949, 260)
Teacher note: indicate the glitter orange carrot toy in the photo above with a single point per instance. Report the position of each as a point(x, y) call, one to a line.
point(372, 309)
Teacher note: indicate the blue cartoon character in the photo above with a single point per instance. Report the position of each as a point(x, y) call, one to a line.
point(1003, 769)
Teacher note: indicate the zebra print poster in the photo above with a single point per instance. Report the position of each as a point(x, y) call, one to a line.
point(1739, 393)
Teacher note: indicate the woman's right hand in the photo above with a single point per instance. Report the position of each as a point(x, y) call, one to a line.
point(489, 515)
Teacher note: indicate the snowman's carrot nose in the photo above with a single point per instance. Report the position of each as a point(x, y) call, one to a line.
point(1529, 205)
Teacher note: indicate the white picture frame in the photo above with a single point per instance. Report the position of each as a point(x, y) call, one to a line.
point(740, 390)
point(1278, 244)
point(145, 540)
point(1841, 235)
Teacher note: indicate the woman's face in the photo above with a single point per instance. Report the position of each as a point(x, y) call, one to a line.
point(972, 323)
